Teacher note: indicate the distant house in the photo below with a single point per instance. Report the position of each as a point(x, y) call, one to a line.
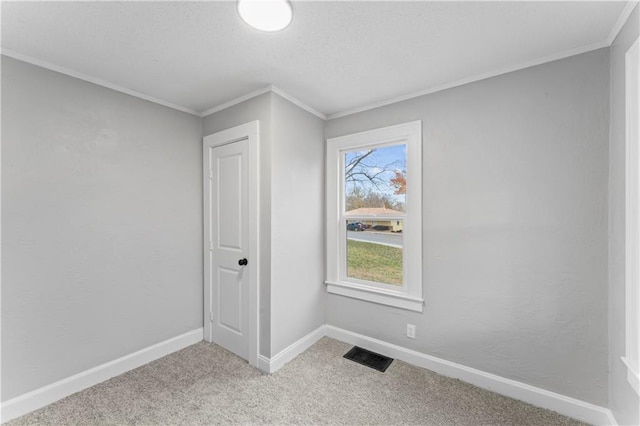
point(380, 217)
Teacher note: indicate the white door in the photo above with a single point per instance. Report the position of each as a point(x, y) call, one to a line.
point(227, 264)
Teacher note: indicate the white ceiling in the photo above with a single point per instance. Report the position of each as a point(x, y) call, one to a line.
point(334, 57)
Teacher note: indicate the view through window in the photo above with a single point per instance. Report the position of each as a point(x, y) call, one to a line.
point(375, 183)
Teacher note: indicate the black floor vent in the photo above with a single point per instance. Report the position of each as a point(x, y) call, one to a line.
point(368, 358)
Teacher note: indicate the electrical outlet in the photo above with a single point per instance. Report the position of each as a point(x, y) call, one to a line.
point(411, 331)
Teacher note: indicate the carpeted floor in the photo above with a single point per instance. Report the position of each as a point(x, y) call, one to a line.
point(205, 384)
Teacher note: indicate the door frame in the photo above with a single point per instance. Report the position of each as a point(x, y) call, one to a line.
point(631, 358)
point(250, 133)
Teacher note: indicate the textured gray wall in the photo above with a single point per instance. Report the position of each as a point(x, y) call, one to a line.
point(101, 221)
point(258, 108)
point(623, 399)
point(297, 224)
point(515, 227)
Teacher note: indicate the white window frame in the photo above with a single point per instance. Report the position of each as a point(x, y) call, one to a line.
point(632, 217)
point(409, 295)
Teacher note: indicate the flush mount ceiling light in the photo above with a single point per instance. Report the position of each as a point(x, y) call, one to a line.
point(266, 15)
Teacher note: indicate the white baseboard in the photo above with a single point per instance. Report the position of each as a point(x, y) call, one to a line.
point(46, 395)
point(562, 404)
point(279, 360)
point(264, 364)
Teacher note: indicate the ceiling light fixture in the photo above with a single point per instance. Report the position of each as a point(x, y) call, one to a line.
point(266, 15)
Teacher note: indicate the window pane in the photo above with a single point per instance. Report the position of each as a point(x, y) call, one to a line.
point(374, 250)
point(375, 180)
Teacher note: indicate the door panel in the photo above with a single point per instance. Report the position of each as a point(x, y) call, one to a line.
point(230, 315)
point(229, 173)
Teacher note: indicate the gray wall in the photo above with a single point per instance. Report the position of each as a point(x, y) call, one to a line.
point(258, 108)
point(101, 221)
point(297, 220)
point(515, 227)
point(623, 400)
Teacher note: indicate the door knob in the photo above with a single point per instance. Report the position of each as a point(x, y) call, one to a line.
point(242, 262)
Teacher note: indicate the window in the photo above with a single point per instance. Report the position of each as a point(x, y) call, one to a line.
point(374, 216)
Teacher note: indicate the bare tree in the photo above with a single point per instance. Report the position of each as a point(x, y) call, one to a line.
point(368, 183)
point(362, 170)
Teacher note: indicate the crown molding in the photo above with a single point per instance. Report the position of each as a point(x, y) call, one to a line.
point(472, 79)
point(270, 88)
point(97, 81)
point(298, 102)
point(622, 19)
point(235, 101)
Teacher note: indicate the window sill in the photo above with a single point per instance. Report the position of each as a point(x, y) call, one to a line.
point(375, 295)
point(632, 376)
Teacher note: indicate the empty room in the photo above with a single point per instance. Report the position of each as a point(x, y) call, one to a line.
point(320, 212)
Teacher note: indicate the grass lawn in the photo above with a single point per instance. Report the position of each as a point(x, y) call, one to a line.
point(374, 262)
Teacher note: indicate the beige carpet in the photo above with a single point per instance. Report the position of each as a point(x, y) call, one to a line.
point(205, 384)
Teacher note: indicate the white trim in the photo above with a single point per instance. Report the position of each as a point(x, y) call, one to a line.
point(409, 295)
point(375, 295)
point(473, 79)
point(264, 364)
point(290, 352)
point(632, 375)
point(251, 132)
point(622, 19)
point(632, 215)
point(96, 81)
point(236, 101)
point(562, 404)
point(270, 88)
point(46, 395)
point(0, 234)
point(298, 102)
